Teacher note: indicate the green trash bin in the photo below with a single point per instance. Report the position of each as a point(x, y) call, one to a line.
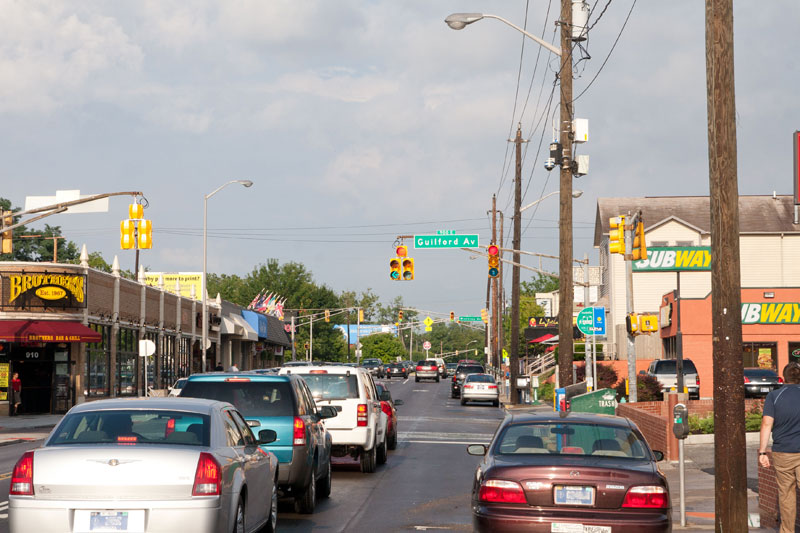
point(603, 401)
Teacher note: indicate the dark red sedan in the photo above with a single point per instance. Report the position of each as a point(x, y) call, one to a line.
point(580, 472)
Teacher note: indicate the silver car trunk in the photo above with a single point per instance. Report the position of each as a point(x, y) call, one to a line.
point(111, 472)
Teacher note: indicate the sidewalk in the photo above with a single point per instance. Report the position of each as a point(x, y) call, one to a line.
point(14, 429)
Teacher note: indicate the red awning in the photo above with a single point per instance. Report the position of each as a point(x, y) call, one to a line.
point(46, 331)
point(543, 338)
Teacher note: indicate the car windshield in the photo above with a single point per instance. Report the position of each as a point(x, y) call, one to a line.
point(479, 378)
point(332, 386)
point(131, 427)
point(670, 366)
point(558, 438)
point(251, 398)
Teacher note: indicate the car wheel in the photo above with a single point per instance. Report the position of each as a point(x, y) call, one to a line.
point(305, 504)
point(381, 454)
point(324, 488)
point(416, 379)
point(463, 401)
point(272, 519)
point(496, 403)
point(393, 440)
point(238, 524)
point(368, 460)
point(437, 379)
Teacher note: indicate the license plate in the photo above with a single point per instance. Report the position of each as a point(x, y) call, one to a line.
point(572, 495)
point(109, 521)
point(764, 389)
point(561, 527)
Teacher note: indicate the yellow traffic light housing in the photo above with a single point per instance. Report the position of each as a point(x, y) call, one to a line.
point(648, 323)
point(485, 315)
point(400, 315)
point(401, 250)
point(127, 237)
point(394, 269)
point(408, 269)
point(361, 315)
point(6, 238)
point(136, 211)
point(639, 246)
point(452, 316)
point(145, 238)
point(494, 260)
point(632, 324)
point(616, 235)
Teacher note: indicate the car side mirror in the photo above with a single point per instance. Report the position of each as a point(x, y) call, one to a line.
point(476, 449)
point(659, 455)
point(265, 436)
point(327, 411)
point(398, 402)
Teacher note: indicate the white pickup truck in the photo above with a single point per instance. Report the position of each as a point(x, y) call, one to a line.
point(665, 371)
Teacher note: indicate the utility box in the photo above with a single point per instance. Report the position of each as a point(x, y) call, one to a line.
point(603, 401)
point(583, 165)
point(580, 130)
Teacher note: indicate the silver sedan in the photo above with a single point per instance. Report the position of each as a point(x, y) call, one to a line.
point(480, 388)
point(147, 465)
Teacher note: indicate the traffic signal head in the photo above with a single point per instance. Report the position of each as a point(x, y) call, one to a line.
point(361, 315)
point(452, 316)
point(394, 266)
point(127, 239)
point(485, 315)
point(6, 238)
point(408, 269)
point(494, 260)
point(327, 315)
point(400, 315)
point(401, 251)
point(135, 211)
point(616, 235)
point(145, 234)
point(632, 324)
point(639, 246)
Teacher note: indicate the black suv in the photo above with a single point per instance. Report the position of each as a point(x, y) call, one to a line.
point(396, 369)
point(461, 373)
point(374, 367)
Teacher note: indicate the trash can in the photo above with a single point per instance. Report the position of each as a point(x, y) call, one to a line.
point(603, 401)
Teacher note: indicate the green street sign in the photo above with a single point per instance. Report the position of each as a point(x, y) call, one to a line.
point(585, 320)
point(445, 241)
point(469, 319)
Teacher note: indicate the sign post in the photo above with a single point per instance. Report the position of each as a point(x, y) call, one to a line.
point(592, 321)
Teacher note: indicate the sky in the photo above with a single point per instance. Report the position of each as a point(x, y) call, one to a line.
point(359, 121)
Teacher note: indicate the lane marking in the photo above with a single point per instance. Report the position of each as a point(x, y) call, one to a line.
point(5, 476)
point(462, 442)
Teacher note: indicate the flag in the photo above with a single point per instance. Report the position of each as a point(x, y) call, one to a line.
point(255, 300)
point(279, 308)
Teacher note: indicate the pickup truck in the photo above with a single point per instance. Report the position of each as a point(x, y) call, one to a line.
point(665, 371)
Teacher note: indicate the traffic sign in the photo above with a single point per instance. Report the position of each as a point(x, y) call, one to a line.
point(428, 321)
point(592, 321)
point(446, 241)
point(469, 319)
point(426, 345)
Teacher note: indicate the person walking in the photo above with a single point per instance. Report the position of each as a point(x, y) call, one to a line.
point(16, 394)
point(781, 418)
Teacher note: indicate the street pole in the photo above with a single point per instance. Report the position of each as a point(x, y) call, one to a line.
point(204, 293)
point(730, 482)
point(493, 332)
point(358, 338)
point(633, 387)
point(513, 360)
point(294, 349)
point(565, 290)
point(311, 338)
point(500, 302)
point(587, 358)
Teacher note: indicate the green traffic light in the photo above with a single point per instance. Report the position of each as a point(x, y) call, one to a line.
point(493, 272)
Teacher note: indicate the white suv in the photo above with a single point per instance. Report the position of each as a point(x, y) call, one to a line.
point(360, 427)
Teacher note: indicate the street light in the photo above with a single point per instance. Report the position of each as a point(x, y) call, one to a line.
point(575, 194)
point(246, 183)
point(458, 21)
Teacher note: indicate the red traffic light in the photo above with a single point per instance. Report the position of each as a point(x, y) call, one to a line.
point(402, 251)
point(493, 249)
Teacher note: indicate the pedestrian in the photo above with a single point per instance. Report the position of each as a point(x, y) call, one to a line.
point(218, 368)
point(233, 368)
point(16, 394)
point(782, 418)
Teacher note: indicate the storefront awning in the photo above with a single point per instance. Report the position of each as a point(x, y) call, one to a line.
point(243, 329)
point(545, 337)
point(46, 331)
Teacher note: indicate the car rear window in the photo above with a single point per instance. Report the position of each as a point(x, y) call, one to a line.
point(132, 427)
point(470, 369)
point(427, 362)
point(760, 373)
point(669, 366)
point(251, 398)
point(332, 386)
point(558, 438)
point(479, 378)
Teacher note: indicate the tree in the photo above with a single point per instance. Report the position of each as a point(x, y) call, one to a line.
point(37, 245)
point(527, 308)
point(383, 346)
point(541, 283)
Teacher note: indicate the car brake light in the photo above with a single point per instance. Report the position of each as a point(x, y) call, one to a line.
point(419, 367)
point(361, 415)
point(208, 477)
point(697, 380)
point(467, 386)
point(648, 496)
point(299, 432)
point(492, 386)
point(780, 380)
point(497, 490)
point(746, 379)
point(127, 439)
point(238, 380)
point(386, 408)
point(318, 372)
point(22, 476)
point(170, 428)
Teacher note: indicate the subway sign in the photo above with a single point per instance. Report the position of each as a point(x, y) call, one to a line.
point(771, 313)
point(675, 259)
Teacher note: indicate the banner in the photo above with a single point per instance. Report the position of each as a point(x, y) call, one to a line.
point(187, 280)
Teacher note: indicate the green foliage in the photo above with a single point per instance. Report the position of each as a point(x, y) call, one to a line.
point(446, 337)
point(546, 392)
point(541, 283)
point(648, 388)
point(752, 421)
point(527, 308)
point(699, 425)
point(606, 376)
point(37, 245)
point(383, 346)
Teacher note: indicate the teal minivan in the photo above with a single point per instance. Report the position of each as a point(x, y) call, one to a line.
point(283, 404)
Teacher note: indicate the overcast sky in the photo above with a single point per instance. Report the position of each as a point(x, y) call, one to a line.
point(360, 120)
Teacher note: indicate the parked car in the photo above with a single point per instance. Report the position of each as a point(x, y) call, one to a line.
point(665, 371)
point(442, 366)
point(451, 368)
point(570, 472)
point(175, 390)
point(297, 363)
point(359, 430)
point(760, 381)
point(426, 369)
point(388, 405)
point(461, 373)
point(480, 388)
point(167, 464)
point(374, 367)
point(396, 369)
point(282, 403)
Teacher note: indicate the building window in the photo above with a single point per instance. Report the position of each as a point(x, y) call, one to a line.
point(760, 354)
point(685, 243)
point(127, 353)
point(659, 244)
point(98, 355)
point(168, 361)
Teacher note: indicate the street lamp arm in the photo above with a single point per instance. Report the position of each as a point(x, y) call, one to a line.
point(575, 194)
point(545, 44)
point(246, 183)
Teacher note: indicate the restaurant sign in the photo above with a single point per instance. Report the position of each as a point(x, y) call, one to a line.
point(43, 289)
point(675, 259)
point(771, 313)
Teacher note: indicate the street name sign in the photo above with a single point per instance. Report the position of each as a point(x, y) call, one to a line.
point(445, 241)
point(592, 321)
point(469, 319)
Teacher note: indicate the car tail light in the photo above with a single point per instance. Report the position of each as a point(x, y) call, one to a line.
point(386, 408)
point(419, 367)
point(208, 477)
point(746, 379)
point(22, 476)
point(492, 386)
point(170, 428)
point(361, 415)
point(467, 386)
point(780, 380)
point(697, 380)
point(647, 497)
point(299, 432)
point(497, 490)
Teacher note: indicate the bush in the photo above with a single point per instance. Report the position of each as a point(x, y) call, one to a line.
point(606, 376)
point(648, 388)
point(699, 425)
point(546, 392)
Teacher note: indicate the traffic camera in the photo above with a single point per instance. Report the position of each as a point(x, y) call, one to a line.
point(394, 266)
point(408, 269)
point(494, 260)
point(616, 235)
point(639, 246)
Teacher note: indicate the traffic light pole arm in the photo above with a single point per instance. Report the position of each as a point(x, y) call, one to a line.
point(580, 261)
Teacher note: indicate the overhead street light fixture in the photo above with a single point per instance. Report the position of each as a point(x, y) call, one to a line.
point(458, 21)
point(575, 194)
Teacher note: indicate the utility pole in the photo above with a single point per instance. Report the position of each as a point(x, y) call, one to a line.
point(565, 291)
point(730, 482)
point(513, 358)
point(55, 242)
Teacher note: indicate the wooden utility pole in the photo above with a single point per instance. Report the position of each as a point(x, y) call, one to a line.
point(500, 299)
point(565, 291)
point(513, 356)
point(730, 480)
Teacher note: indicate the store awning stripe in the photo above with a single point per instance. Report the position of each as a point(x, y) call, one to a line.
point(46, 331)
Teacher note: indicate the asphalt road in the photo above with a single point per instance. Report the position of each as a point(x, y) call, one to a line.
point(9, 455)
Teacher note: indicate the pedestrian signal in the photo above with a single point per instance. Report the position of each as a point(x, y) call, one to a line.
point(632, 324)
point(648, 323)
point(494, 260)
point(408, 269)
point(394, 266)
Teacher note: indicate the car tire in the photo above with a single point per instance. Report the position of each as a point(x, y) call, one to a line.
point(272, 520)
point(416, 379)
point(238, 517)
point(368, 461)
point(381, 454)
point(393, 440)
point(305, 503)
point(324, 484)
point(496, 403)
point(463, 401)
point(437, 379)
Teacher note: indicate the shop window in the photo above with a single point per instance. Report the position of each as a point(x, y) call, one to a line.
point(127, 352)
point(98, 355)
point(760, 354)
point(794, 352)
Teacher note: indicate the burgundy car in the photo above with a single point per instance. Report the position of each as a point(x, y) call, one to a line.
point(577, 472)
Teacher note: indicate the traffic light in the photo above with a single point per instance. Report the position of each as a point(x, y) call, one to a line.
point(494, 260)
point(408, 269)
point(327, 315)
point(632, 324)
point(401, 251)
point(136, 211)
point(616, 235)
point(400, 315)
point(639, 246)
point(6, 238)
point(361, 315)
point(485, 315)
point(394, 266)
point(452, 316)
point(145, 234)
point(127, 239)
point(648, 323)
